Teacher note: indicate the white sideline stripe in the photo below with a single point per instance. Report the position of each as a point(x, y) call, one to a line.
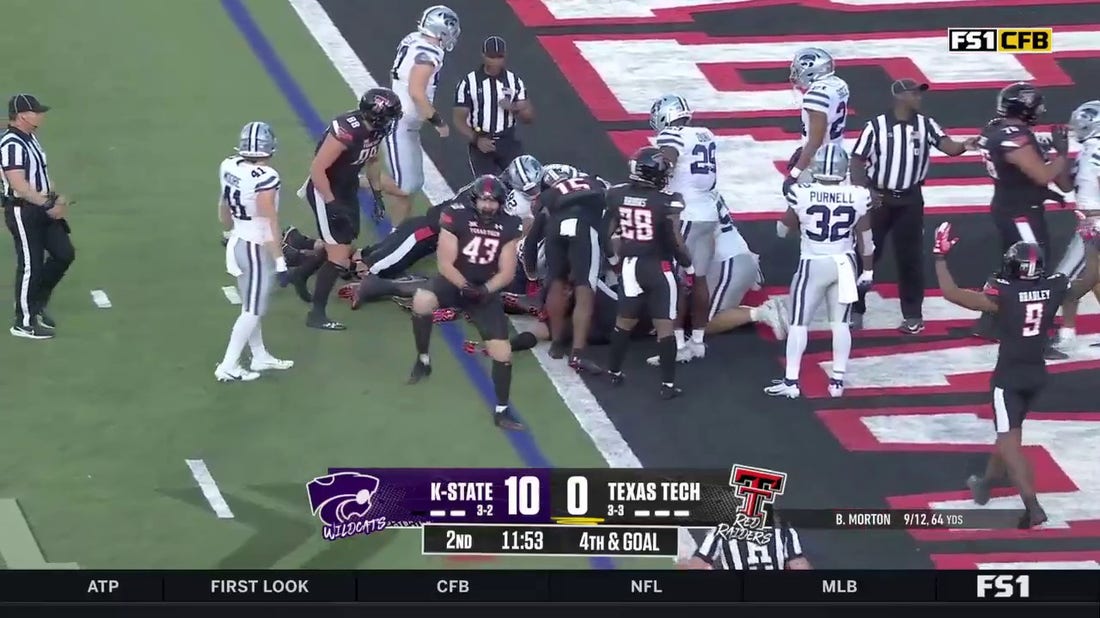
point(231, 295)
point(589, 414)
point(101, 300)
point(209, 488)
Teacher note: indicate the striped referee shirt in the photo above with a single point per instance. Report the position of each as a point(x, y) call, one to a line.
point(897, 151)
point(21, 151)
point(733, 555)
point(480, 93)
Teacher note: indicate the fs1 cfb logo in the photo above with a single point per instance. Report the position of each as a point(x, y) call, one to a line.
point(1005, 40)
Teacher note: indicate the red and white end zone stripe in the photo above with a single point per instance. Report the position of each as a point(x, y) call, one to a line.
point(1018, 561)
point(1060, 446)
point(582, 12)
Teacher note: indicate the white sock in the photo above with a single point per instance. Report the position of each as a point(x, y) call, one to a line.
point(697, 335)
point(842, 348)
point(796, 345)
point(425, 359)
point(754, 314)
point(256, 343)
point(679, 334)
point(1067, 333)
point(238, 338)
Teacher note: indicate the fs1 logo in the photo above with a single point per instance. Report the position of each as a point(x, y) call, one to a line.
point(1005, 40)
point(755, 488)
point(1004, 586)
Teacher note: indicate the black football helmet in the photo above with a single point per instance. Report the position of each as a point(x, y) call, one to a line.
point(488, 187)
point(380, 108)
point(1021, 100)
point(650, 167)
point(1023, 260)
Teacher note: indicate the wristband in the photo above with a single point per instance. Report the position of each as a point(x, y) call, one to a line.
point(436, 120)
point(795, 173)
point(280, 264)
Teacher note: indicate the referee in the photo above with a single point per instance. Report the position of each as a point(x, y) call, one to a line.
point(891, 159)
point(487, 103)
point(35, 216)
point(782, 552)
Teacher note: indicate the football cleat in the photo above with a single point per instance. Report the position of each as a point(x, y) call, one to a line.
point(670, 391)
point(235, 374)
point(683, 355)
point(558, 349)
point(31, 332)
point(698, 349)
point(269, 363)
point(420, 371)
point(836, 387)
point(979, 490)
point(774, 313)
point(321, 322)
point(45, 321)
point(505, 419)
point(784, 388)
point(616, 377)
point(581, 364)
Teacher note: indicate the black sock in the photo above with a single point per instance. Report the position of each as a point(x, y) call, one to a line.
point(310, 265)
point(523, 341)
point(326, 279)
point(619, 340)
point(502, 382)
point(422, 332)
point(666, 351)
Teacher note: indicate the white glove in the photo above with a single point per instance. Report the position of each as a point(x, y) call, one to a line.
point(280, 264)
point(866, 279)
point(806, 178)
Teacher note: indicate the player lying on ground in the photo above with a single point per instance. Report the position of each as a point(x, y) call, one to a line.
point(825, 212)
point(477, 259)
point(250, 203)
point(1023, 300)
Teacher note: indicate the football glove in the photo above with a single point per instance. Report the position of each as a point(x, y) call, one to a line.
point(865, 281)
point(944, 242)
point(475, 293)
point(379, 212)
point(1086, 227)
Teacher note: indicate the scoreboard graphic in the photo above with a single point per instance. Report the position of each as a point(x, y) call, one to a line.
point(586, 512)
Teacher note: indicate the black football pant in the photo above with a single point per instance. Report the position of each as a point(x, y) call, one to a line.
point(1030, 226)
point(43, 252)
point(507, 148)
point(901, 216)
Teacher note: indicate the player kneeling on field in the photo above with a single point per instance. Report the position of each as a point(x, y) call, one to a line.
point(477, 259)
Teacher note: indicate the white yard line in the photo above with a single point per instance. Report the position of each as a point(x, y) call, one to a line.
point(231, 295)
point(209, 488)
point(101, 300)
point(581, 402)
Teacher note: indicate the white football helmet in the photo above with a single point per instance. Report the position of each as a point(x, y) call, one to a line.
point(811, 64)
point(668, 109)
point(1084, 122)
point(257, 141)
point(830, 164)
point(442, 23)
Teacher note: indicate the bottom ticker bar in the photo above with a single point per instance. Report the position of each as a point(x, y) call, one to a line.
point(550, 586)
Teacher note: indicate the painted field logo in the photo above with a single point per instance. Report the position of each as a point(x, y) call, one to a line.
point(342, 502)
point(1005, 40)
point(757, 488)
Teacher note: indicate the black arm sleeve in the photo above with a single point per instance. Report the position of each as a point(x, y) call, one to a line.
point(531, 242)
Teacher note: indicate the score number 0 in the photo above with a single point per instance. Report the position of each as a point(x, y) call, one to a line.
point(523, 495)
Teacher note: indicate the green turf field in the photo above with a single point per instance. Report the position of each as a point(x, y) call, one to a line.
point(148, 96)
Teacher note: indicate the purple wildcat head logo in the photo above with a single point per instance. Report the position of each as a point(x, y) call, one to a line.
point(342, 501)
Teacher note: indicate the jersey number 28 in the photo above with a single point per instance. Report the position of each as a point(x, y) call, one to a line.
point(636, 224)
point(831, 224)
point(481, 250)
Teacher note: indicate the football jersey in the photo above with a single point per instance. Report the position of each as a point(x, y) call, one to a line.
point(479, 242)
point(826, 215)
point(695, 176)
point(583, 198)
point(641, 215)
point(361, 144)
point(830, 97)
point(242, 180)
point(1086, 171)
point(414, 48)
point(728, 242)
point(1025, 316)
point(519, 204)
point(1013, 190)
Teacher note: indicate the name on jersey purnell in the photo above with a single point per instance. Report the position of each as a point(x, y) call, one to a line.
point(831, 197)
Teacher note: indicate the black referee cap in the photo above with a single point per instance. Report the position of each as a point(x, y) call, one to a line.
point(905, 84)
point(494, 47)
point(25, 103)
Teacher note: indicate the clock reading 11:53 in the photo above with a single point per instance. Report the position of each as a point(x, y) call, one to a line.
point(522, 540)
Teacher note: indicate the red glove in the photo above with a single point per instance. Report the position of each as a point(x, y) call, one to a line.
point(944, 241)
point(689, 280)
point(533, 288)
point(1086, 228)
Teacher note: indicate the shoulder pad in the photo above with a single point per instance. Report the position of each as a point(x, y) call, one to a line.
point(672, 130)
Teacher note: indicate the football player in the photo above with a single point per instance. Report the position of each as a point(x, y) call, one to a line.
point(693, 154)
point(332, 191)
point(250, 200)
point(1084, 123)
point(643, 214)
point(477, 259)
point(1023, 300)
point(824, 109)
point(826, 212)
point(523, 177)
point(415, 75)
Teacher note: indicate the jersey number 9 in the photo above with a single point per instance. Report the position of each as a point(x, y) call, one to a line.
point(636, 224)
point(232, 198)
point(1033, 319)
point(481, 250)
point(830, 224)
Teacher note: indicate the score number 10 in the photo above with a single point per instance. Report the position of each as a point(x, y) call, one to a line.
point(523, 495)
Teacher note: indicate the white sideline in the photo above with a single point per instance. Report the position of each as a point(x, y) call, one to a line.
point(209, 488)
point(581, 402)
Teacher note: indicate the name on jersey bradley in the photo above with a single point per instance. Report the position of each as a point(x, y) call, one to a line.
point(670, 491)
point(1034, 295)
point(832, 197)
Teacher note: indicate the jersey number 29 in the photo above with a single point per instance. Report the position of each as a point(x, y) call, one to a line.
point(832, 224)
point(232, 198)
point(636, 224)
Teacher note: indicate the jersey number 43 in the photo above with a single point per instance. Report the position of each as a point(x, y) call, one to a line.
point(481, 250)
point(830, 224)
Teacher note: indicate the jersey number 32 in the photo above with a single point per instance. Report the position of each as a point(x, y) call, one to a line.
point(830, 224)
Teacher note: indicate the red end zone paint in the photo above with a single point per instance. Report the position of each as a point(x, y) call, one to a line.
point(850, 430)
point(970, 562)
point(534, 13)
point(589, 84)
